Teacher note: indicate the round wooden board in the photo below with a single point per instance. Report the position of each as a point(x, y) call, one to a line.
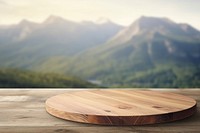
point(120, 107)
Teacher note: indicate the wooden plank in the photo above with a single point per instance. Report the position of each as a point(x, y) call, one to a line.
point(63, 129)
point(15, 116)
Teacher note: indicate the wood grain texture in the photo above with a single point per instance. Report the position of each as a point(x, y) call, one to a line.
point(120, 107)
point(28, 115)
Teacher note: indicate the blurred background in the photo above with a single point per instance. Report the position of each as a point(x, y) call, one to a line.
point(100, 43)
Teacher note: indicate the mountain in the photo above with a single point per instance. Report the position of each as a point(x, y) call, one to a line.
point(28, 79)
point(27, 44)
point(152, 52)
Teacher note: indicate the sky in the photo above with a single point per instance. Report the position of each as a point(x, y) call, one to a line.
point(123, 12)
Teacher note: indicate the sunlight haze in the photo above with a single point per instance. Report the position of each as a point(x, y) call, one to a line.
point(122, 12)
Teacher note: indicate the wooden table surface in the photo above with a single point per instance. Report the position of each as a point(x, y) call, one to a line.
point(23, 111)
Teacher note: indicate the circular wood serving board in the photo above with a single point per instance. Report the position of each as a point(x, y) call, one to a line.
point(120, 107)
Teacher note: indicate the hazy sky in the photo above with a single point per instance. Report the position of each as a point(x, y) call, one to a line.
point(121, 11)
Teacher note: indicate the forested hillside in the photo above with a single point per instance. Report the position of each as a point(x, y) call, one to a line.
point(27, 79)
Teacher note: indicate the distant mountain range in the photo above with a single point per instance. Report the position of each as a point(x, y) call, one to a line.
point(151, 52)
point(27, 44)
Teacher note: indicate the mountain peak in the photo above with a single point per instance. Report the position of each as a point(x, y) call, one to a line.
point(150, 27)
point(103, 20)
point(54, 19)
point(149, 18)
point(145, 21)
point(25, 22)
